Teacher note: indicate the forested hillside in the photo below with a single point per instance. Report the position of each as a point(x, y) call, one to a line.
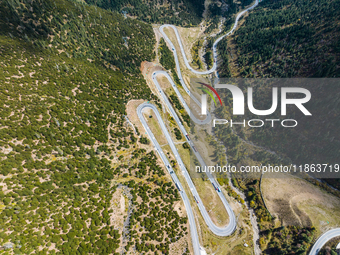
point(176, 12)
point(67, 72)
point(291, 39)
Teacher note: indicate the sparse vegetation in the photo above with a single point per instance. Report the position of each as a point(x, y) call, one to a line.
point(68, 70)
point(196, 60)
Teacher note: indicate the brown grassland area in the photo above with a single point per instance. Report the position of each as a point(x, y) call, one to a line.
point(298, 202)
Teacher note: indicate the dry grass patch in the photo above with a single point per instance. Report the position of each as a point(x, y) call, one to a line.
point(154, 126)
point(298, 202)
point(189, 36)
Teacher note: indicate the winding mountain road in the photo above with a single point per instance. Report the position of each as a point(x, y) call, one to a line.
point(220, 231)
point(213, 69)
point(192, 224)
point(229, 229)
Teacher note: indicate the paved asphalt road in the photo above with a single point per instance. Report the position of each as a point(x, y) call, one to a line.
point(180, 97)
point(239, 15)
point(220, 231)
point(230, 228)
point(323, 239)
point(192, 224)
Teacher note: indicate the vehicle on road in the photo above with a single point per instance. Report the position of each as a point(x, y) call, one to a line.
point(214, 186)
point(220, 231)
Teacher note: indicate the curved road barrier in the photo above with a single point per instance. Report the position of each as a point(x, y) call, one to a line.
point(323, 239)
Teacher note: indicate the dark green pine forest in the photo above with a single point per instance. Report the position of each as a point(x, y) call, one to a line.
point(289, 39)
point(176, 12)
point(285, 39)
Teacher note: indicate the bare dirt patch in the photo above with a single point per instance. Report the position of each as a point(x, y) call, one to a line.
point(180, 209)
point(147, 69)
point(122, 203)
point(131, 110)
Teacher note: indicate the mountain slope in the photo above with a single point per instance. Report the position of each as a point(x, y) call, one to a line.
point(292, 39)
point(68, 70)
point(177, 12)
